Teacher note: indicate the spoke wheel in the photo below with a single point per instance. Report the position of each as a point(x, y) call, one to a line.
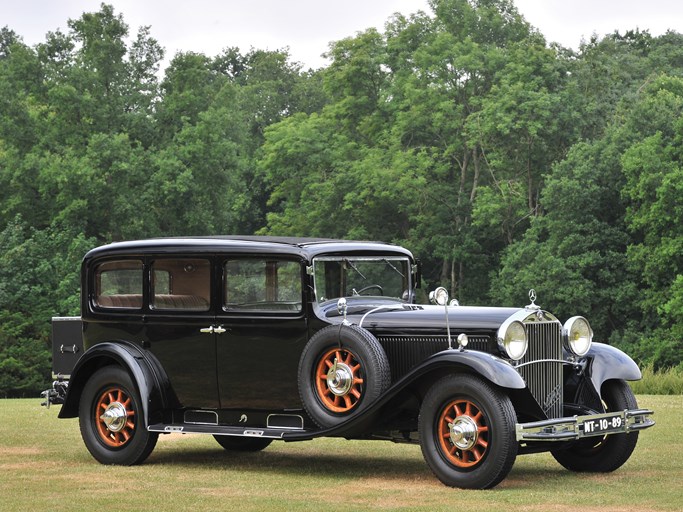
point(467, 432)
point(339, 380)
point(115, 417)
point(342, 370)
point(111, 420)
point(463, 433)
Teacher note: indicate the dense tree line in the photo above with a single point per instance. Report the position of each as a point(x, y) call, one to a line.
point(504, 162)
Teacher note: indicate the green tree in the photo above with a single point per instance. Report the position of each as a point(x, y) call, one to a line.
point(39, 278)
point(653, 167)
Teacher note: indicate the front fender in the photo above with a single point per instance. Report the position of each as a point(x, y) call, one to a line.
point(491, 367)
point(611, 363)
point(124, 354)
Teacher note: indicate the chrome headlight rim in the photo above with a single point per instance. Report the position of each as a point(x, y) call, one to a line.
point(578, 336)
point(513, 340)
point(439, 296)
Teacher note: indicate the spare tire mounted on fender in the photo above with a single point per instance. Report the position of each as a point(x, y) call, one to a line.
point(342, 370)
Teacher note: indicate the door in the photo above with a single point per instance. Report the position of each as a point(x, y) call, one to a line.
point(180, 327)
point(263, 314)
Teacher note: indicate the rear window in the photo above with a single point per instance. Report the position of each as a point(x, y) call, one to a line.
point(181, 284)
point(118, 284)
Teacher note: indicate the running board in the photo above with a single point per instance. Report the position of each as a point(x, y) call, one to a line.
point(288, 434)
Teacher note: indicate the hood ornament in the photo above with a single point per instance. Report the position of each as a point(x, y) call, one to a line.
point(532, 298)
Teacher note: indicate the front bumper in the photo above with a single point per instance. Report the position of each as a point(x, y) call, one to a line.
point(578, 427)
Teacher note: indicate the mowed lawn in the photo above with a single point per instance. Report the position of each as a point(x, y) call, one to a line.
point(44, 466)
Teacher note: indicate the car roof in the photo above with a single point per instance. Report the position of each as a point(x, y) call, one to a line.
point(303, 247)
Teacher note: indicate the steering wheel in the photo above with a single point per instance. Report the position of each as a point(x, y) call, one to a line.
point(370, 287)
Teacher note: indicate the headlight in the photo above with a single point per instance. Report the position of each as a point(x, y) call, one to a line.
point(439, 296)
point(512, 339)
point(578, 335)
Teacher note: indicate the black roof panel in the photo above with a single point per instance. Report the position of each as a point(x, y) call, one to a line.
point(245, 244)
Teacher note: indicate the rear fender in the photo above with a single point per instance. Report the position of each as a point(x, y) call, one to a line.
point(150, 381)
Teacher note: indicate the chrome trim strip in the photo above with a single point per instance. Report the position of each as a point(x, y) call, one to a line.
point(300, 418)
point(199, 411)
point(379, 308)
point(543, 361)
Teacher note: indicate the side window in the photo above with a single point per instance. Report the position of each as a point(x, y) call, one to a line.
point(118, 284)
point(181, 284)
point(262, 285)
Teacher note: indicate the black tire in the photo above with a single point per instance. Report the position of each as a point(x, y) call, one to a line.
point(333, 392)
point(243, 444)
point(125, 441)
point(608, 453)
point(485, 418)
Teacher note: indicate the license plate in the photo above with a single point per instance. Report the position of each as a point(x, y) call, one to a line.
point(603, 425)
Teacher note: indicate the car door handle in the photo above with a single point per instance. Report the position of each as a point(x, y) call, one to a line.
point(213, 329)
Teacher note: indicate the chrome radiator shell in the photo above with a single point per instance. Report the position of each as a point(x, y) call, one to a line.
point(541, 367)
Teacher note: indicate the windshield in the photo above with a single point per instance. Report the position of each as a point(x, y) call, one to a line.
point(354, 276)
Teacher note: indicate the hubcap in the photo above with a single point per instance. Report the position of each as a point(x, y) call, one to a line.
point(114, 416)
point(463, 432)
point(340, 378)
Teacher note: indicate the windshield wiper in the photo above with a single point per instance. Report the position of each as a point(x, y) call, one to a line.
point(395, 269)
point(354, 267)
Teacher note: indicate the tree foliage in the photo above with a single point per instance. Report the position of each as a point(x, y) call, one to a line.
point(505, 163)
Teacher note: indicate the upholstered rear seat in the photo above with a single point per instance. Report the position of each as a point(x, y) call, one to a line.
point(120, 301)
point(185, 302)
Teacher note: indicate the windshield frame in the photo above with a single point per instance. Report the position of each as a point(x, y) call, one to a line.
point(405, 265)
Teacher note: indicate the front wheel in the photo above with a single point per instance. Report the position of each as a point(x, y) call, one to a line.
point(467, 432)
point(608, 453)
point(111, 420)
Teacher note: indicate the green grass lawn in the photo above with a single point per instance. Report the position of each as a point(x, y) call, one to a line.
point(44, 466)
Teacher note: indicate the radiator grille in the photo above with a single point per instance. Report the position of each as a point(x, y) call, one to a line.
point(544, 379)
point(405, 352)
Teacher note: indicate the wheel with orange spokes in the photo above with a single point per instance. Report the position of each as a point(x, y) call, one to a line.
point(111, 420)
point(467, 432)
point(339, 380)
point(342, 370)
point(115, 417)
point(463, 433)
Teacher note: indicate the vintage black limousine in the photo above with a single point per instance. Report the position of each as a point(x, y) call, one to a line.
point(252, 339)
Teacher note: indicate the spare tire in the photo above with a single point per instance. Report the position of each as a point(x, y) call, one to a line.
point(342, 370)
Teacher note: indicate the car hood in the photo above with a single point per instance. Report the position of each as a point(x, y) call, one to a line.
point(386, 316)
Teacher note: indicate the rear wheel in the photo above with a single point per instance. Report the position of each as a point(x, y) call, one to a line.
point(111, 421)
point(467, 432)
point(603, 454)
point(243, 444)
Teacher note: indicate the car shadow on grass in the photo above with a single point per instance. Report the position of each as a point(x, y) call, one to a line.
point(340, 464)
point(337, 462)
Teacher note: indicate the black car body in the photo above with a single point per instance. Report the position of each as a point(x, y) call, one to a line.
point(252, 339)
